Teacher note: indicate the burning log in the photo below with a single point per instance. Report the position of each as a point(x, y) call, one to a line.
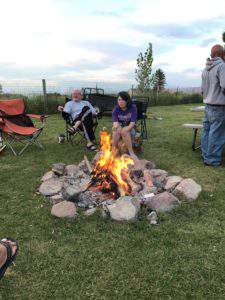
point(88, 164)
point(135, 188)
point(148, 178)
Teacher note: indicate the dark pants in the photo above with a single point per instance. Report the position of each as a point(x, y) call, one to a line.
point(87, 121)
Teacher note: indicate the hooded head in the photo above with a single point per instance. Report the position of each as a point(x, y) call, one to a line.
point(217, 51)
point(217, 57)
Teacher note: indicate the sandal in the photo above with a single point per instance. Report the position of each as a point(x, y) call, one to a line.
point(92, 148)
point(10, 255)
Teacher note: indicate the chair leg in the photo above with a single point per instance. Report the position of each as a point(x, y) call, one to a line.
point(194, 140)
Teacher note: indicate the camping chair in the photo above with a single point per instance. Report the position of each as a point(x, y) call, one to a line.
point(142, 106)
point(17, 126)
point(79, 136)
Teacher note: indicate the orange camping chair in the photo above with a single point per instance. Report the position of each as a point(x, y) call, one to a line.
point(17, 126)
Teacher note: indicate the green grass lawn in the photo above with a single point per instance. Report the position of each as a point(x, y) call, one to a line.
point(183, 257)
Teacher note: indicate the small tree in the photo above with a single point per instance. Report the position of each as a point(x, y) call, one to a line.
point(159, 80)
point(144, 69)
point(1, 90)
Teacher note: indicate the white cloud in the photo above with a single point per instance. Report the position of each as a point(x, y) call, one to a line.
point(37, 35)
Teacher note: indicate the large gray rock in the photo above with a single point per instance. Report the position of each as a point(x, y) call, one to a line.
point(71, 192)
point(159, 178)
point(71, 170)
point(64, 209)
point(48, 175)
point(188, 190)
point(172, 182)
point(142, 164)
point(51, 187)
point(58, 169)
point(163, 202)
point(124, 209)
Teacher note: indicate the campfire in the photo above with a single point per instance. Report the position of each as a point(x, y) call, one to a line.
point(115, 184)
point(110, 173)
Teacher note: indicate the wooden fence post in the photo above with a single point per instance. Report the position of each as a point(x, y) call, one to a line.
point(44, 95)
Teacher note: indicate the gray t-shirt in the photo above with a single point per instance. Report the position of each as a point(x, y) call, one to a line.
point(74, 108)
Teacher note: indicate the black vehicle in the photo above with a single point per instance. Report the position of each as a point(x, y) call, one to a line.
point(97, 97)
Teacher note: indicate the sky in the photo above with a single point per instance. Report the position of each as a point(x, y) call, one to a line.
point(96, 41)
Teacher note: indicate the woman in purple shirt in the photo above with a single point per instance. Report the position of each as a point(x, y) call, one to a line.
point(124, 116)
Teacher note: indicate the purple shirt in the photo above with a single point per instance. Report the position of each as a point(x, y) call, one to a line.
point(125, 116)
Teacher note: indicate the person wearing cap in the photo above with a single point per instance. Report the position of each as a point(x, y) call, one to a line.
point(124, 116)
point(213, 90)
point(81, 112)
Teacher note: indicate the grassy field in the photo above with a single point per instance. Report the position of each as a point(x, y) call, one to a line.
point(182, 258)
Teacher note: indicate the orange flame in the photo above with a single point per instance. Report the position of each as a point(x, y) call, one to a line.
point(111, 163)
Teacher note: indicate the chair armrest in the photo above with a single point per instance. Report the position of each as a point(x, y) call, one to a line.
point(39, 117)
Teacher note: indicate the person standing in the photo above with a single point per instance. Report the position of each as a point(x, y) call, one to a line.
point(213, 90)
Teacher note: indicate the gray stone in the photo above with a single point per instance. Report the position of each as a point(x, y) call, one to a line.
point(124, 209)
point(188, 190)
point(163, 202)
point(58, 169)
point(48, 176)
point(142, 164)
point(159, 178)
point(172, 182)
point(71, 192)
point(56, 199)
point(90, 212)
point(71, 170)
point(64, 209)
point(51, 187)
point(158, 173)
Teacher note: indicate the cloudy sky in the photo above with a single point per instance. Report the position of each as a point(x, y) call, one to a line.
point(99, 40)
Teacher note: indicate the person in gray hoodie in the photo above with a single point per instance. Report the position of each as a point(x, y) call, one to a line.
point(213, 90)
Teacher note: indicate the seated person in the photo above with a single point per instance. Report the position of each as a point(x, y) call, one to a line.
point(8, 252)
point(81, 113)
point(124, 116)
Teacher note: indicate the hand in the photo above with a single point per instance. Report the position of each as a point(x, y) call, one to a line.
point(125, 130)
point(60, 108)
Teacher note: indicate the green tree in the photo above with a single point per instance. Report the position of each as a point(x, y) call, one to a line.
point(159, 80)
point(223, 36)
point(1, 90)
point(144, 69)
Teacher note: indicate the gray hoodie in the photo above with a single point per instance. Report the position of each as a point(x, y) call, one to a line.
point(213, 82)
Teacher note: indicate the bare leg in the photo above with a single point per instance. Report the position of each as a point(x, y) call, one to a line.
point(76, 125)
point(127, 140)
point(115, 139)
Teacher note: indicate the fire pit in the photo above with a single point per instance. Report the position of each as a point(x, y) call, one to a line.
point(113, 182)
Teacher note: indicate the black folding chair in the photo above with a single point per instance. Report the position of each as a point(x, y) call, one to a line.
point(142, 106)
point(79, 136)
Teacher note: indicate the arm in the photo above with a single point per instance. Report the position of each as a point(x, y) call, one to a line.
point(222, 76)
point(94, 113)
point(132, 120)
point(129, 127)
point(67, 108)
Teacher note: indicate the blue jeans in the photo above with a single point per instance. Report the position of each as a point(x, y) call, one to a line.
point(213, 134)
